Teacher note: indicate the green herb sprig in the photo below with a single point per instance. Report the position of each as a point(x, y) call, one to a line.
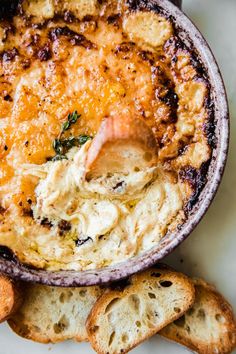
point(62, 146)
point(72, 119)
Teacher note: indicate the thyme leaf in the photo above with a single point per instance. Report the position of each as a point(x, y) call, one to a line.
point(65, 126)
point(62, 146)
point(71, 119)
point(59, 157)
point(57, 146)
point(82, 139)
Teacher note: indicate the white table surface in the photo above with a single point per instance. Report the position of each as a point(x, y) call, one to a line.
point(210, 252)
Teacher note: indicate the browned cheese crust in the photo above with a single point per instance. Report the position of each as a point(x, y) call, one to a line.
point(101, 59)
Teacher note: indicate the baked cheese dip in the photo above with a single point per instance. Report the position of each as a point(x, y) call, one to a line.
point(68, 70)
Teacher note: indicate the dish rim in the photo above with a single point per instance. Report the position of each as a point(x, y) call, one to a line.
point(189, 33)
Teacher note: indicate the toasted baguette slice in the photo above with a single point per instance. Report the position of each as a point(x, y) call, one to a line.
point(10, 297)
point(121, 319)
point(51, 314)
point(123, 144)
point(208, 327)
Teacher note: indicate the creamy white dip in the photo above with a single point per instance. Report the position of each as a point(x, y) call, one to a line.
point(118, 215)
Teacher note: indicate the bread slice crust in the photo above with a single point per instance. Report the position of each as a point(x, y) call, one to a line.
point(209, 326)
point(122, 141)
point(54, 314)
point(203, 323)
point(156, 284)
point(10, 296)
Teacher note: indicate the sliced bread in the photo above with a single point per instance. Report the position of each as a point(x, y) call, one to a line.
point(123, 144)
point(123, 318)
point(10, 297)
point(51, 314)
point(208, 327)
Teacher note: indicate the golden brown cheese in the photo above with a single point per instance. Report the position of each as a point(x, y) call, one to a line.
point(99, 60)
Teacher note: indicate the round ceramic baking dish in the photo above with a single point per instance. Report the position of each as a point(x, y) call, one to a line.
point(192, 39)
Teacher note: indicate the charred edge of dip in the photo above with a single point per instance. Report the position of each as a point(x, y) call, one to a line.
point(8, 9)
point(44, 53)
point(196, 178)
point(209, 127)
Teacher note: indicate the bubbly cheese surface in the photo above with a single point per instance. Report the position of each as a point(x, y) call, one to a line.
point(54, 61)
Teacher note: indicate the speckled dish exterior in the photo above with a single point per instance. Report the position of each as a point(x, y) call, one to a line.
point(193, 39)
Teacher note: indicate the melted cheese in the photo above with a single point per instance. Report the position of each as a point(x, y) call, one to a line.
point(40, 8)
point(150, 29)
point(80, 8)
point(131, 219)
point(50, 70)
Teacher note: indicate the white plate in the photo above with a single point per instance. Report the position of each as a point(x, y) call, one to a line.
point(210, 252)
